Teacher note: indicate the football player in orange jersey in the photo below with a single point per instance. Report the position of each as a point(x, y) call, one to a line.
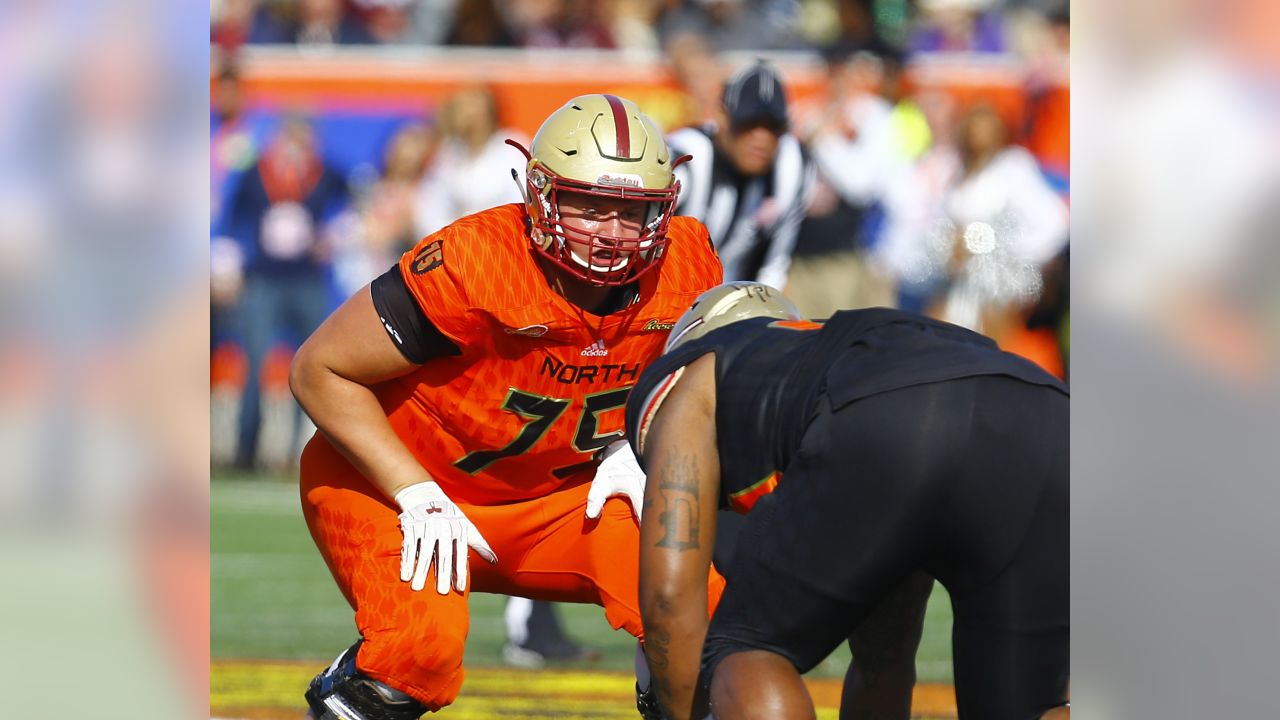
point(472, 398)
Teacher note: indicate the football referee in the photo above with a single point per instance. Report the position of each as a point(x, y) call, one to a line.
point(750, 179)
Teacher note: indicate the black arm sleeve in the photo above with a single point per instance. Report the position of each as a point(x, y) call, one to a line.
point(406, 323)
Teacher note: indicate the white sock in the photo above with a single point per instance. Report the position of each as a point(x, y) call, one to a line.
point(642, 669)
point(516, 616)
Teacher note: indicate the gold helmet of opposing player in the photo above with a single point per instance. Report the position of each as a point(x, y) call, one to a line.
point(603, 146)
point(729, 303)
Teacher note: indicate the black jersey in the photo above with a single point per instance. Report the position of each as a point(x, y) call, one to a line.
point(770, 375)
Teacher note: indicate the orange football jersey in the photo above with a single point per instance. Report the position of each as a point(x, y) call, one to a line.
point(540, 384)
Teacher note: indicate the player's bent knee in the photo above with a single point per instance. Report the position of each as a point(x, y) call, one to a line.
point(341, 692)
point(426, 660)
point(754, 684)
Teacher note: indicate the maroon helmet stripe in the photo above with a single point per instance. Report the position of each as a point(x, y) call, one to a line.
point(620, 122)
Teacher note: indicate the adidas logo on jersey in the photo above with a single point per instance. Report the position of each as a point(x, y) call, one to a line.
point(595, 349)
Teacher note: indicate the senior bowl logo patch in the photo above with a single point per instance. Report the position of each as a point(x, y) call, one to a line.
point(428, 258)
point(655, 325)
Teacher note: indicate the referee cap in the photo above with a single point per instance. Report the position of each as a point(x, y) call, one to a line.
point(755, 96)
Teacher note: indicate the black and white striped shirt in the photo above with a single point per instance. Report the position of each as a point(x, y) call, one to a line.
point(753, 220)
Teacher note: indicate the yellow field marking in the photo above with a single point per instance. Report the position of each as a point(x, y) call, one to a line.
point(272, 690)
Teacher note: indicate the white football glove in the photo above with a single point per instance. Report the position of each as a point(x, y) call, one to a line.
point(434, 526)
point(618, 474)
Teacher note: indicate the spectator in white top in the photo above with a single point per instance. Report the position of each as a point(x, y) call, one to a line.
point(472, 152)
point(981, 218)
point(380, 226)
point(864, 138)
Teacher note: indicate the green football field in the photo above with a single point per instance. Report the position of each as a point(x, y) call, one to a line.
point(273, 599)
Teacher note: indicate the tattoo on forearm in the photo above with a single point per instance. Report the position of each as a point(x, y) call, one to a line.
point(679, 519)
point(656, 648)
point(657, 644)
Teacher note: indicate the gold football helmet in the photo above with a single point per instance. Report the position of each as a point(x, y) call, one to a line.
point(729, 303)
point(600, 145)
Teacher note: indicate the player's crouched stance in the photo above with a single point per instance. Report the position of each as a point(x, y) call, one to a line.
point(865, 449)
point(470, 405)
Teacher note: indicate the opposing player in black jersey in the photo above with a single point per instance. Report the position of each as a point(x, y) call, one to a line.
point(864, 449)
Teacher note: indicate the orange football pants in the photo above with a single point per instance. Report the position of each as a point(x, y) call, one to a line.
point(547, 550)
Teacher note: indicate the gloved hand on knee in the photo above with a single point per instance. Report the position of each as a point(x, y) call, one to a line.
point(434, 526)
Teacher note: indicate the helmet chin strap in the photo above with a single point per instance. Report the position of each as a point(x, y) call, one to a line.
point(524, 191)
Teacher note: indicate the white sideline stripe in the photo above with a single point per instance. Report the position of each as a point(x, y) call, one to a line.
point(273, 501)
point(246, 564)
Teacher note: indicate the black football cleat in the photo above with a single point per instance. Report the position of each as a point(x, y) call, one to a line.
point(647, 703)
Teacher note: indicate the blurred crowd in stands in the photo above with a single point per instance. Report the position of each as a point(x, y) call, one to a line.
point(982, 26)
point(914, 198)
